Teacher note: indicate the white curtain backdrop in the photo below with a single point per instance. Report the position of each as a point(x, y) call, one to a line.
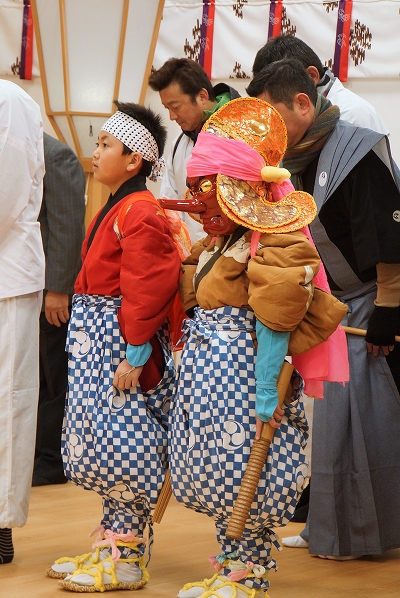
point(240, 29)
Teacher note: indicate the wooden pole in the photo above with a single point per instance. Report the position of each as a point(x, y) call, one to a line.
point(257, 459)
point(163, 498)
point(361, 332)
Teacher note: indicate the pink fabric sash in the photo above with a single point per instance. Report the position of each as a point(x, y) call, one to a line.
point(231, 157)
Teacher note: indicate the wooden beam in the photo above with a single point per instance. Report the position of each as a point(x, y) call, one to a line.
point(39, 47)
point(121, 48)
point(64, 55)
point(78, 113)
point(86, 164)
point(152, 49)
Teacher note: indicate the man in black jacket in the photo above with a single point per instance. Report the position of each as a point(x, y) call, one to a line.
point(61, 220)
point(354, 497)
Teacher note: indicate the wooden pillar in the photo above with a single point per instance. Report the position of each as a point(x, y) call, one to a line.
point(96, 196)
point(96, 193)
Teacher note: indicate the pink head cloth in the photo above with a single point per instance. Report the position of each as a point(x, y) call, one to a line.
point(231, 157)
point(328, 362)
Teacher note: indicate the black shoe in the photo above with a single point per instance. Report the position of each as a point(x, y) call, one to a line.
point(300, 515)
point(40, 480)
point(6, 546)
point(301, 512)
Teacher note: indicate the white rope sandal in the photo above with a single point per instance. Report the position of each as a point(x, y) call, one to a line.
point(105, 568)
point(221, 586)
point(67, 565)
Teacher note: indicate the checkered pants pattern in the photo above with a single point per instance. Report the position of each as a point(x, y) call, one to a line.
point(114, 442)
point(212, 427)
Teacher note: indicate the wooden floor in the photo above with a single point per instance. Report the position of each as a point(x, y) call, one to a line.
point(62, 516)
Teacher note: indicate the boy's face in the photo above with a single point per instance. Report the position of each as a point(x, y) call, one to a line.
point(182, 109)
point(110, 166)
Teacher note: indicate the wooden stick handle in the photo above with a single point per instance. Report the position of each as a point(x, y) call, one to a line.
point(361, 332)
point(255, 464)
point(163, 498)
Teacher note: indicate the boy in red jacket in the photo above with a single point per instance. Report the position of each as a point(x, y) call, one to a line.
point(121, 370)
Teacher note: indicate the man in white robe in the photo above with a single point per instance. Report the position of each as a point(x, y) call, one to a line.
point(21, 284)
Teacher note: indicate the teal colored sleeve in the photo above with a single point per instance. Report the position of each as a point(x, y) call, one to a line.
point(271, 352)
point(137, 355)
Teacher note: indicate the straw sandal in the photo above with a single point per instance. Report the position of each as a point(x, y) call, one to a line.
point(219, 586)
point(114, 564)
point(67, 565)
point(126, 574)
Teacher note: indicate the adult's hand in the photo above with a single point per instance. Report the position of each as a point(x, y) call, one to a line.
point(56, 308)
point(382, 328)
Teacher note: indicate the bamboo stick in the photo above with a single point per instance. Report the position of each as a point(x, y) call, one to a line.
point(163, 498)
point(362, 332)
point(255, 464)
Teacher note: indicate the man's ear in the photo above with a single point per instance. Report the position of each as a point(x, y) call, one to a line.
point(303, 103)
point(203, 96)
point(135, 163)
point(314, 74)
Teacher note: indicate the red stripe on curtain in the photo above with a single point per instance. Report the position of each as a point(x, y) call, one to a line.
point(342, 42)
point(275, 18)
point(207, 36)
point(25, 68)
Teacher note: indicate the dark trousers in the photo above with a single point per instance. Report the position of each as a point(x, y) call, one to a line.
point(52, 393)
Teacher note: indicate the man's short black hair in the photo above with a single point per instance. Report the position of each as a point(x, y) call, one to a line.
point(286, 46)
point(187, 73)
point(282, 80)
point(152, 122)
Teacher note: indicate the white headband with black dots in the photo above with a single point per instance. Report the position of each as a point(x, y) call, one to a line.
point(139, 139)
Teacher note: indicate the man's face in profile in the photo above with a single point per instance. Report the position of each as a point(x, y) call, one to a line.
point(188, 114)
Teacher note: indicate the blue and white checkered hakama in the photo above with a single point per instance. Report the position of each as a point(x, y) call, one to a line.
point(114, 441)
point(212, 428)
